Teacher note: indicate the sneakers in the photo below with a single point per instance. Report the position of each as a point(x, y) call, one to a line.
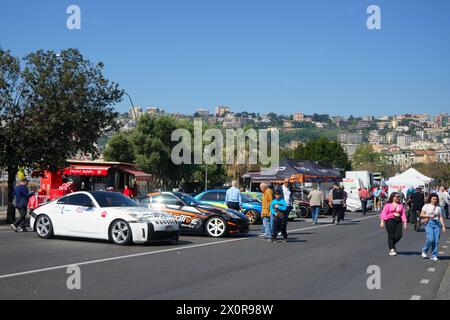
point(14, 227)
point(424, 255)
point(392, 252)
point(434, 258)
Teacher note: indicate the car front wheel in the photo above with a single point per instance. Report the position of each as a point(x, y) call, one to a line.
point(253, 216)
point(120, 232)
point(44, 227)
point(216, 227)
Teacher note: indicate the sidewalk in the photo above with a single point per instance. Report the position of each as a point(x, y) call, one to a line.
point(444, 290)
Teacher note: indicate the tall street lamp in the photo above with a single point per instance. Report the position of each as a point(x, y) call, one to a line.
point(132, 105)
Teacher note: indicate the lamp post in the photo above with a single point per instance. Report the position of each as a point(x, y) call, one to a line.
point(132, 105)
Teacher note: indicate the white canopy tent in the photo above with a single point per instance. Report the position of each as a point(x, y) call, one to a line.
point(407, 179)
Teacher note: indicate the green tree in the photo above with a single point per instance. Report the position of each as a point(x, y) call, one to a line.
point(323, 150)
point(365, 155)
point(119, 148)
point(51, 107)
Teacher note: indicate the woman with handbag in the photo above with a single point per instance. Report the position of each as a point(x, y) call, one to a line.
point(432, 217)
point(393, 217)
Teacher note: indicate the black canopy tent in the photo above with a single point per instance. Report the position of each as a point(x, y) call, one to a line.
point(296, 172)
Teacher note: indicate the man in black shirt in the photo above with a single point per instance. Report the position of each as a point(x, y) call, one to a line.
point(417, 202)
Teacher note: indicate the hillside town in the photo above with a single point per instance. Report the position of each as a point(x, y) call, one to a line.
point(404, 139)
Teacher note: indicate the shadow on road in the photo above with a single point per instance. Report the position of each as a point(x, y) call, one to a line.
point(408, 253)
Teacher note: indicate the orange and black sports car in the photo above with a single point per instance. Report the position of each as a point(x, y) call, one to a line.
point(195, 217)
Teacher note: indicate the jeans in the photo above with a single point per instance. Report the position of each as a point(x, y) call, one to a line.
point(395, 232)
point(446, 211)
point(276, 225)
point(315, 211)
point(23, 215)
point(267, 224)
point(337, 212)
point(364, 205)
point(433, 232)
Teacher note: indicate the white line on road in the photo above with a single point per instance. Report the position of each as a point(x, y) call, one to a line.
point(154, 252)
point(445, 247)
point(415, 297)
point(441, 252)
point(424, 281)
point(118, 258)
point(431, 269)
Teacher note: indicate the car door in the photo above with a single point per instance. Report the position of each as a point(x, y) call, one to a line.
point(81, 215)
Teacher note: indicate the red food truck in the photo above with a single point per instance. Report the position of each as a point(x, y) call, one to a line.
point(91, 175)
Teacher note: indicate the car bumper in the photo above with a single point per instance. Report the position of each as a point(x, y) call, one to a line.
point(238, 227)
point(149, 232)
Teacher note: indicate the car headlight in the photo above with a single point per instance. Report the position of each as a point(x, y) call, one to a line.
point(234, 215)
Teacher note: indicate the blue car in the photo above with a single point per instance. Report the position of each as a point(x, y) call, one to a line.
point(251, 206)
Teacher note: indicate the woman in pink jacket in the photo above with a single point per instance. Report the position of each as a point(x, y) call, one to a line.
point(393, 216)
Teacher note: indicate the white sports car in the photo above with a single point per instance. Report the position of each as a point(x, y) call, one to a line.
point(103, 215)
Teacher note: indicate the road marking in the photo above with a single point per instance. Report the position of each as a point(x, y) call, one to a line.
point(424, 281)
point(441, 252)
point(445, 247)
point(415, 297)
point(331, 224)
point(155, 252)
point(431, 269)
point(118, 258)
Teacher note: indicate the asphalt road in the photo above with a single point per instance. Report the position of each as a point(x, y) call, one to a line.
point(318, 262)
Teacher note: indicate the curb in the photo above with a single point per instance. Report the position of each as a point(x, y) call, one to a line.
point(444, 289)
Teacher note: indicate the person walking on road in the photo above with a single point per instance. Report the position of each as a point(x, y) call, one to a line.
point(22, 196)
point(277, 216)
point(233, 198)
point(267, 197)
point(344, 203)
point(336, 202)
point(377, 198)
point(417, 203)
point(287, 195)
point(444, 201)
point(432, 218)
point(393, 217)
point(364, 196)
point(316, 200)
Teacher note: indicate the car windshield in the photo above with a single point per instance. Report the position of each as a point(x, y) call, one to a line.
point(187, 198)
point(113, 199)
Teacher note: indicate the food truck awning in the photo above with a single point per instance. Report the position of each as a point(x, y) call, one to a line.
point(139, 175)
point(84, 170)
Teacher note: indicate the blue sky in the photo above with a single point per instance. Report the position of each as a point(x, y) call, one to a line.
point(260, 56)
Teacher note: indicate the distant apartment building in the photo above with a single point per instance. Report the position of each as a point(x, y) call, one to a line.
point(362, 125)
point(222, 110)
point(299, 117)
point(382, 124)
point(404, 141)
point(376, 138)
point(155, 111)
point(368, 118)
point(231, 122)
point(446, 141)
point(350, 138)
point(135, 113)
point(424, 156)
point(443, 156)
point(383, 118)
point(202, 112)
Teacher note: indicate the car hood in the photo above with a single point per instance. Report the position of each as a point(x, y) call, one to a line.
point(142, 213)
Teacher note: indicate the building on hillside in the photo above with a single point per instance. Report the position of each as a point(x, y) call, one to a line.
point(222, 110)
